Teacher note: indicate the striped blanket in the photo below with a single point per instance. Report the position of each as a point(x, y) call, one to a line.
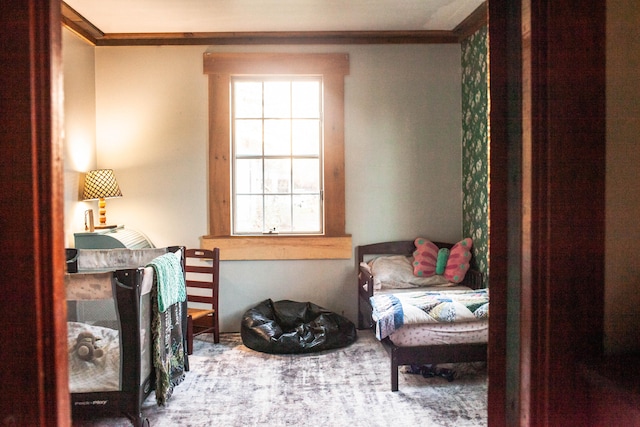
point(391, 311)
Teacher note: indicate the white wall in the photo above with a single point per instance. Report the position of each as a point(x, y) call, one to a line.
point(403, 158)
point(79, 128)
point(402, 119)
point(152, 130)
point(622, 268)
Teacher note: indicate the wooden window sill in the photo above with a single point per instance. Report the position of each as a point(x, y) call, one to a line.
point(279, 247)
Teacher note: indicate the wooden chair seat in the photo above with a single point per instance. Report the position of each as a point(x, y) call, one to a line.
point(202, 268)
point(197, 313)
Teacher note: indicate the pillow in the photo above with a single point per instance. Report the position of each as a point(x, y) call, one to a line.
point(429, 259)
point(394, 272)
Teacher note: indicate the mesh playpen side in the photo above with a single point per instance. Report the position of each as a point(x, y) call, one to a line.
point(111, 312)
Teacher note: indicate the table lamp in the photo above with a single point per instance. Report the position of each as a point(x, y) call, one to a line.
point(101, 184)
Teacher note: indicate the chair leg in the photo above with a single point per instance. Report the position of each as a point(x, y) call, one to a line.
point(189, 335)
point(216, 328)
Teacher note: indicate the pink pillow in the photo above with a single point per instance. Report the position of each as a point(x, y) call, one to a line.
point(426, 257)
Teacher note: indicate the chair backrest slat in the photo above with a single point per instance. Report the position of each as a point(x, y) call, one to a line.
point(202, 274)
point(202, 267)
point(198, 284)
point(200, 299)
point(199, 269)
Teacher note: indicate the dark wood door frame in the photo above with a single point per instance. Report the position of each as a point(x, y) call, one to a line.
point(34, 363)
point(547, 209)
point(504, 120)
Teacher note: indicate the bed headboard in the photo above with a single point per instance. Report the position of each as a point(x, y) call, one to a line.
point(473, 278)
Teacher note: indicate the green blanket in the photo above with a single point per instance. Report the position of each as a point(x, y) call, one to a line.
point(167, 295)
point(169, 280)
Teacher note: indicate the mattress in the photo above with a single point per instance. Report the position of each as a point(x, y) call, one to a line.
point(441, 333)
point(95, 312)
point(438, 333)
point(99, 374)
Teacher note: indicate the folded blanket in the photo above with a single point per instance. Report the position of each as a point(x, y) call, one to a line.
point(167, 297)
point(392, 311)
point(169, 279)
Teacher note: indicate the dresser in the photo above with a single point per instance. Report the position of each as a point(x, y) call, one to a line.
point(119, 237)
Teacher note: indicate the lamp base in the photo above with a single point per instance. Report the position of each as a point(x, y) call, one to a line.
point(102, 227)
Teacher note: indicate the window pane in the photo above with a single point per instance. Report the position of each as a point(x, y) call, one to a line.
point(305, 99)
point(306, 137)
point(306, 176)
point(277, 211)
point(248, 176)
point(248, 214)
point(248, 99)
point(248, 137)
point(277, 137)
point(277, 176)
point(306, 214)
point(277, 99)
point(277, 158)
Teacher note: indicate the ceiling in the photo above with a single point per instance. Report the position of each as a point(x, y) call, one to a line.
point(229, 16)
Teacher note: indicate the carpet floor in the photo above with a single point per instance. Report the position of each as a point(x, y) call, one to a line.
point(230, 385)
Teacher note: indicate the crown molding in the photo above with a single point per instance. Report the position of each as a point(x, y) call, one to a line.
point(275, 38)
point(93, 35)
point(472, 23)
point(80, 25)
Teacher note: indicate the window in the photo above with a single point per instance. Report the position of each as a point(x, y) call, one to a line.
point(277, 146)
point(311, 223)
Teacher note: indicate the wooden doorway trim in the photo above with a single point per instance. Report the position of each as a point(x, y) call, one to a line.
point(504, 61)
point(34, 369)
point(563, 205)
point(547, 186)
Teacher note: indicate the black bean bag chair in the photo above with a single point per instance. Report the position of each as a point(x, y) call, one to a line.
point(285, 327)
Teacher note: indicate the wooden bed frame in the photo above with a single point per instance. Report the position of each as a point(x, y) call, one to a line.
point(419, 355)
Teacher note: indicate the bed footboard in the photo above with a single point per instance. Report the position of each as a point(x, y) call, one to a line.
point(431, 354)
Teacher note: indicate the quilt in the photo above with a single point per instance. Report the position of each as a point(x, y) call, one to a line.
point(166, 325)
point(392, 311)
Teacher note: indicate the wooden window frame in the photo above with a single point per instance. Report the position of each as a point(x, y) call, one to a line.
point(334, 243)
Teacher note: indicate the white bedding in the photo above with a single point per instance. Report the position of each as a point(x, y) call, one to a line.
point(396, 272)
point(441, 333)
point(393, 311)
point(433, 333)
point(438, 333)
point(101, 374)
point(424, 288)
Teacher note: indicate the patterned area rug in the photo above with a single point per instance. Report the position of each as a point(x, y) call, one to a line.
point(231, 385)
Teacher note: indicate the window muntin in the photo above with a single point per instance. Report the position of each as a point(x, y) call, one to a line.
point(277, 155)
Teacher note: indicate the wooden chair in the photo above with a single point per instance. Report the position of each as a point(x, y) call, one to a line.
point(201, 271)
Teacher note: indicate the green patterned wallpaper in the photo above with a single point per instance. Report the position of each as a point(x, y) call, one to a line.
point(475, 146)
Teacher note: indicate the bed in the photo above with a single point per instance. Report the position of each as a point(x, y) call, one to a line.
point(386, 273)
point(125, 329)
